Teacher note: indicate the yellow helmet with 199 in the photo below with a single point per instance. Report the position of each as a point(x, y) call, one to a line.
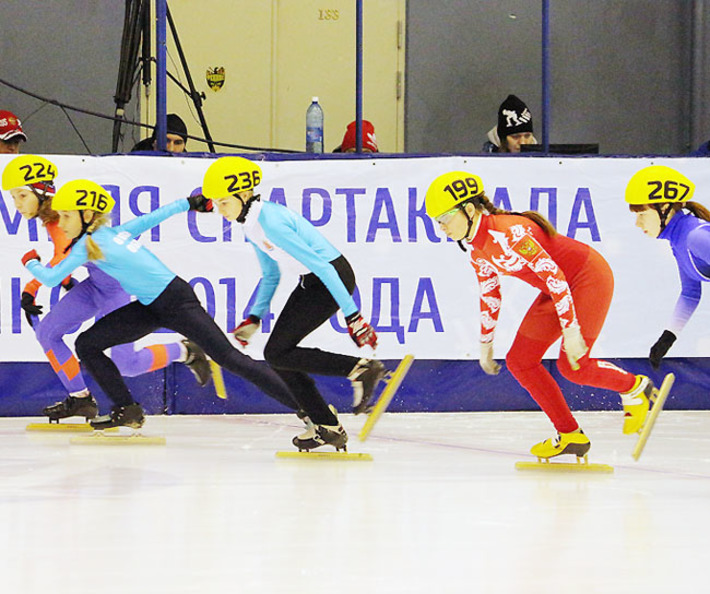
point(28, 170)
point(228, 176)
point(449, 190)
point(658, 184)
point(83, 194)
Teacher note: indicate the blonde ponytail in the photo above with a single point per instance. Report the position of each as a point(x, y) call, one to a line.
point(92, 248)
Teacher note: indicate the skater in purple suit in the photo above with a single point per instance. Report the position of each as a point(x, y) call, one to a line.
point(30, 180)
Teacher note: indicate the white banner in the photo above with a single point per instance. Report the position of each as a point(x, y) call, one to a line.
point(417, 288)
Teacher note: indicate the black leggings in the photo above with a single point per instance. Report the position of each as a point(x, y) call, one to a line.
point(308, 307)
point(176, 308)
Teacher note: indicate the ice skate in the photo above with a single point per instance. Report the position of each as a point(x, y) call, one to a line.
point(121, 416)
point(320, 435)
point(364, 377)
point(394, 380)
point(72, 406)
point(197, 362)
point(316, 436)
point(130, 416)
point(637, 403)
point(655, 400)
point(575, 443)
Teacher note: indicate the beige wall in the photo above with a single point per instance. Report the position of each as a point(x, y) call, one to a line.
point(277, 54)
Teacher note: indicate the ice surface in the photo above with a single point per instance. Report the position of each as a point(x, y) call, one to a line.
point(441, 509)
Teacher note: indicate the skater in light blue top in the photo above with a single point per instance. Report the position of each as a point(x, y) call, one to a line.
point(281, 238)
point(164, 300)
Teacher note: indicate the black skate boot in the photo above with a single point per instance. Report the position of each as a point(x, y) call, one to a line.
point(72, 407)
point(197, 363)
point(319, 435)
point(121, 416)
point(365, 376)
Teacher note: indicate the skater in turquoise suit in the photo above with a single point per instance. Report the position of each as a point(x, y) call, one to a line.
point(163, 299)
point(30, 180)
point(280, 237)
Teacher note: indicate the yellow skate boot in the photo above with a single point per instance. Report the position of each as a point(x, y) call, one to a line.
point(637, 402)
point(576, 443)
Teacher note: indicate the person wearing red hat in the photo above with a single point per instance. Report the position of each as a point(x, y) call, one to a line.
point(369, 140)
point(11, 133)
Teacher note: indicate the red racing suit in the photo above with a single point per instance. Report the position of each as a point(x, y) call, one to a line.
point(576, 286)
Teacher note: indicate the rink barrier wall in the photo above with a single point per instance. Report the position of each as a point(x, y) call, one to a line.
point(430, 386)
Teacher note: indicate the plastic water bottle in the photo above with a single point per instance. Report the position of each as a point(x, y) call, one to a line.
point(314, 127)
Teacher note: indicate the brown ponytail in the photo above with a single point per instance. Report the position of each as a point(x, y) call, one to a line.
point(534, 216)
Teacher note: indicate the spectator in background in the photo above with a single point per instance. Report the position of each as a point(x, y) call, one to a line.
point(515, 127)
point(349, 143)
point(176, 137)
point(11, 133)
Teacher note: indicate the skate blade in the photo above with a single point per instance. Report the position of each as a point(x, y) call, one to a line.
point(385, 398)
point(218, 380)
point(100, 438)
point(582, 465)
point(355, 456)
point(63, 427)
point(658, 403)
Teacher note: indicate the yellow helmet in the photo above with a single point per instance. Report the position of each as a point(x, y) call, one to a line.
point(83, 194)
point(658, 184)
point(27, 170)
point(228, 176)
point(449, 190)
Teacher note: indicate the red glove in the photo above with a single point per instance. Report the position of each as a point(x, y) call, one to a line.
point(31, 255)
point(360, 331)
point(245, 330)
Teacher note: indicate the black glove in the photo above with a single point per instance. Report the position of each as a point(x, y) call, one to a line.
point(31, 308)
point(199, 203)
point(659, 350)
point(68, 283)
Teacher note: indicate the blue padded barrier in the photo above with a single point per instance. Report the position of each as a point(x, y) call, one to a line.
point(431, 386)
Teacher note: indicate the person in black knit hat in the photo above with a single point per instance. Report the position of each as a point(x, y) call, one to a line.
point(176, 137)
point(515, 127)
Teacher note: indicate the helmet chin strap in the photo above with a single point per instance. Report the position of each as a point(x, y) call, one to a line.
point(246, 206)
point(470, 220)
point(84, 227)
point(663, 213)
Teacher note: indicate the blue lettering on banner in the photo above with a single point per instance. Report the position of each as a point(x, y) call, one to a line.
point(377, 301)
point(420, 214)
point(383, 200)
point(231, 286)
point(208, 293)
point(154, 193)
point(334, 319)
point(501, 199)
point(227, 230)
point(194, 230)
point(350, 194)
point(551, 193)
point(278, 195)
point(583, 199)
point(268, 317)
point(115, 192)
point(425, 291)
point(326, 208)
point(16, 291)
